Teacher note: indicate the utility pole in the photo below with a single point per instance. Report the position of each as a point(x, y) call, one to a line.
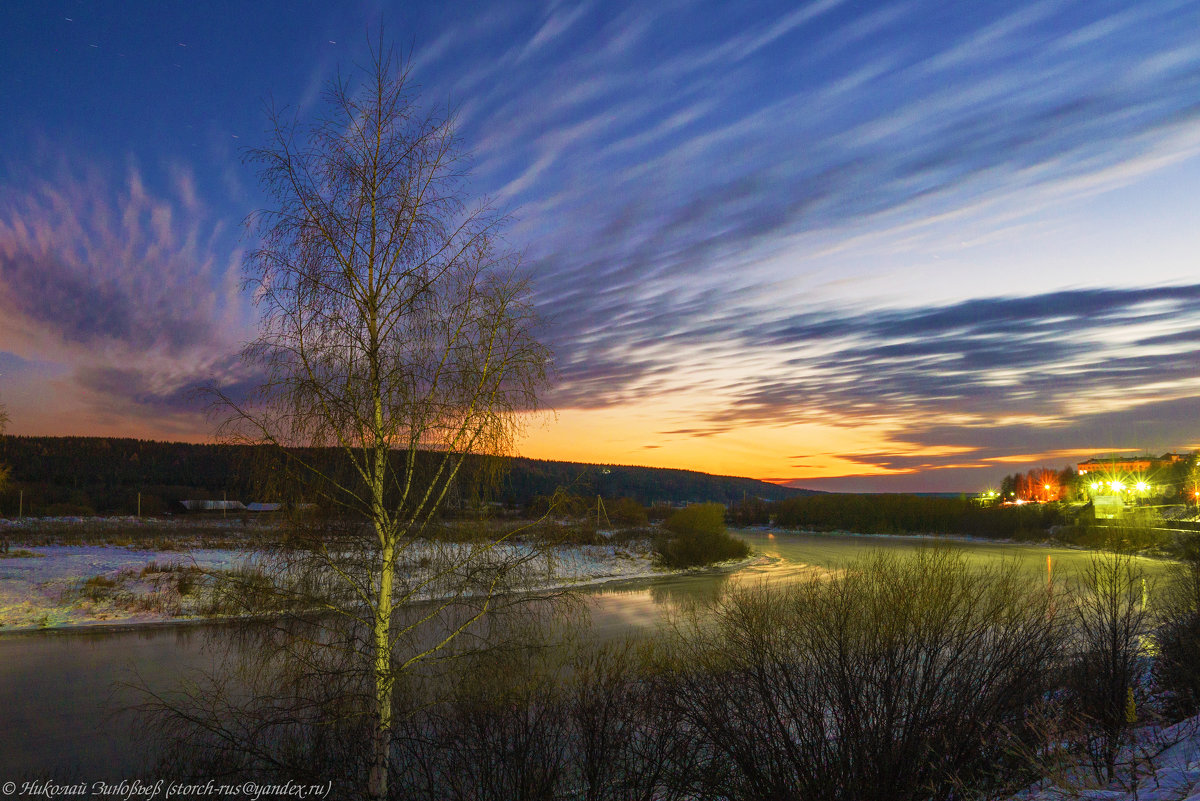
point(600, 510)
point(21, 504)
point(139, 504)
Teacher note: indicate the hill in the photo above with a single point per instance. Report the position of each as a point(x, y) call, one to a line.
point(82, 475)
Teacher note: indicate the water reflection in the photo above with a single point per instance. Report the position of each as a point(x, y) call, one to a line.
point(698, 592)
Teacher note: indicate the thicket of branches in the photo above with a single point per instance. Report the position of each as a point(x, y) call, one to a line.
point(895, 678)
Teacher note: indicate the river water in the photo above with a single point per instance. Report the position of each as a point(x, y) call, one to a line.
point(62, 693)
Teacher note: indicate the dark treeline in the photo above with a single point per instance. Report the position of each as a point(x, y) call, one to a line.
point(86, 475)
point(914, 514)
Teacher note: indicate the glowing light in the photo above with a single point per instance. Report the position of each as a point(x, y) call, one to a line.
point(1117, 486)
point(1141, 486)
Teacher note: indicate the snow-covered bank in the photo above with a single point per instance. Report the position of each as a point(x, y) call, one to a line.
point(48, 590)
point(1161, 765)
point(68, 586)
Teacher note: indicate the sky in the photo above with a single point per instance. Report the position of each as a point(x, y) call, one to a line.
point(881, 246)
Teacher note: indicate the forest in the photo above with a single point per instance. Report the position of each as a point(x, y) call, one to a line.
point(915, 514)
point(102, 475)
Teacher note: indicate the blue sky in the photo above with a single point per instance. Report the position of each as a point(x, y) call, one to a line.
point(910, 245)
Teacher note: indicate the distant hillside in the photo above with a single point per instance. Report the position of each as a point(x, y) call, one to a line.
point(530, 477)
point(73, 475)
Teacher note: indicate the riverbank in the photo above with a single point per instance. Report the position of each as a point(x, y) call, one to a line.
point(909, 537)
point(57, 586)
point(1161, 763)
point(1048, 544)
point(71, 587)
point(64, 586)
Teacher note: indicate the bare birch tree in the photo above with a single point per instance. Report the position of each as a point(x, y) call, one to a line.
point(397, 332)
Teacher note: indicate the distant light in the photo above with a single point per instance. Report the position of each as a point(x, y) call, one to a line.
point(1096, 486)
point(1141, 486)
point(1118, 486)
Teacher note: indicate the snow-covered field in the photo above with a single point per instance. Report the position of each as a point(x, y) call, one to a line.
point(48, 590)
point(61, 586)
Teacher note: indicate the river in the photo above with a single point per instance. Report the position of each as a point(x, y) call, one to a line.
point(62, 692)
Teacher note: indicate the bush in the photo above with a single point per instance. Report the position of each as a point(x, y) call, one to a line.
point(627, 512)
point(1106, 685)
point(899, 679)
point(696, 536)
point(699, 518)
point(1176, 670)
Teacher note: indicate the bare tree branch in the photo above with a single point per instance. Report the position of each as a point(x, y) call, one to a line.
point(397, 332)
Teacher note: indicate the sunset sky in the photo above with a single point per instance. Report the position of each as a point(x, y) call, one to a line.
point(850, 245)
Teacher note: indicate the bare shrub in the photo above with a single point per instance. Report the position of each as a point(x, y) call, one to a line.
point(580, 721)
point(502, 736)
point(1176, 669)
point(899, 679)
point(1107, 677)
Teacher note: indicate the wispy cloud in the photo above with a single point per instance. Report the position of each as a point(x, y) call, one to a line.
point(689, 186)
point(771, 213)
point(120, 286)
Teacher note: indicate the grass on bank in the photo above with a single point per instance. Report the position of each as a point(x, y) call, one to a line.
point(20, 553)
